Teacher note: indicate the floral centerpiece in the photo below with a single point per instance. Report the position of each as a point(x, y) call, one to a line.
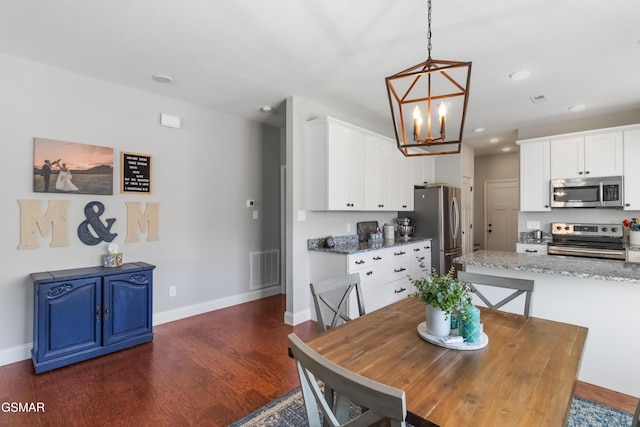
point(442, 294)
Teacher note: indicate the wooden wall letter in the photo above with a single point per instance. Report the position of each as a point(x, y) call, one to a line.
point(147, 222)
point(55, 219)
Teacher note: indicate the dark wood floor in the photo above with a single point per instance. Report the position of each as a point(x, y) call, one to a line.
point(206, 370)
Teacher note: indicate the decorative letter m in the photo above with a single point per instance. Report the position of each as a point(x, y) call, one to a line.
point(147, 222)
point(31, 219)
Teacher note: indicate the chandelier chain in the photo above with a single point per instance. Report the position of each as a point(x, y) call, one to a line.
point(429, 28)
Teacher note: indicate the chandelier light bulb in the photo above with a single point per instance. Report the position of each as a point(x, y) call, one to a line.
point(417, 123)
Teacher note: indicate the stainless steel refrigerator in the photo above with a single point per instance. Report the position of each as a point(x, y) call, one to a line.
point(437, 215)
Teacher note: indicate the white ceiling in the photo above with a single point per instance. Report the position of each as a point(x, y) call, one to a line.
point(237, 55)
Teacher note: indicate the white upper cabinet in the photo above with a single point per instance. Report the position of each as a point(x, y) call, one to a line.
point(401, 181)
point(350, 168)
point(335, 166)
point(534, 176)
point(631, 170)
point(587, 156)
point(378, 163)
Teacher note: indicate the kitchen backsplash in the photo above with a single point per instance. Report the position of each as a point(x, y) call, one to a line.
point(350, 239)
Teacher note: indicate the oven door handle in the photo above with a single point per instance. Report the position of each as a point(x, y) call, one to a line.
point(603, 252)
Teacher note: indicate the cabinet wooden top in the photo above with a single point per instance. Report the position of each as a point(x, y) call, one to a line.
point(78, 273)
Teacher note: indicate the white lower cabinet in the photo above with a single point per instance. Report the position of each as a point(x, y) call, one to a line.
point(384, 273)
point(531, 248)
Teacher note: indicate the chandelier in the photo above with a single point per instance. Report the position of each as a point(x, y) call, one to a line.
point(435, 90)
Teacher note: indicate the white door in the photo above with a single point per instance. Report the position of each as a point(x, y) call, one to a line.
point(501, 215)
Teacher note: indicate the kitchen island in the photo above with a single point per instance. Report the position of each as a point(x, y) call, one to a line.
point(602, 295)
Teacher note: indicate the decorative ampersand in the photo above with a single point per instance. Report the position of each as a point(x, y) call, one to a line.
point(93, 220)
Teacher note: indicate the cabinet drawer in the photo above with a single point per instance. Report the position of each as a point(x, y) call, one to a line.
point(367, 259)
point(382, 294)
point(633, 256)
point(531, 248)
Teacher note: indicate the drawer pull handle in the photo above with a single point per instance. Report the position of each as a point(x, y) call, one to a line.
point(399, 291)
point(420, 258)
point(399, 253)
point(377, 258)
point(399, 270)
point(416, 249)
point(531, 250)
point(360, 262)
point(369, 273)
point(427, 247)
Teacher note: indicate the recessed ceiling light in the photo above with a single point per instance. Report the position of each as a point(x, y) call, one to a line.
point(478, 130)
point(266, 109)
point(162, 78)
point(577, 107)
point(519, 75)
point(494, 140)
point(505, 149)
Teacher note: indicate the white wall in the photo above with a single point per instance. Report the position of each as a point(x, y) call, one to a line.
point(318, 223)
point(202, 176)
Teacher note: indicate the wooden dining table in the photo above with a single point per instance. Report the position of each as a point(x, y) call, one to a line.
point(525, 376)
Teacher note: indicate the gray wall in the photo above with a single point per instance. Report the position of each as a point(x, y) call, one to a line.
point(202, 176)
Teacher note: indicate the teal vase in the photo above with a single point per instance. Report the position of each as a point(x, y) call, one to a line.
point(470, 326)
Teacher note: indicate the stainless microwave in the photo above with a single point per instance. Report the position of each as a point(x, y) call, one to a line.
point(603, 192)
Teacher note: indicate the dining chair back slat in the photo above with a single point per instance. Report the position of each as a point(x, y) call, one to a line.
point(331, 299)
point(382, 402)
point(520, 287)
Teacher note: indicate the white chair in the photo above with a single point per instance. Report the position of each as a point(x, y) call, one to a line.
point(521, 286)
point(332, 296)
point(384, 402)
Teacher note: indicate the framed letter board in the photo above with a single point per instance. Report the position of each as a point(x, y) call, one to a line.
point(136, 173)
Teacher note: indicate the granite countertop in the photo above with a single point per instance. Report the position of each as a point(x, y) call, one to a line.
point(348, 245)
point(589, 268)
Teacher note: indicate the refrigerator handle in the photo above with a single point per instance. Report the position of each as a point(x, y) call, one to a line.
point(455, 218)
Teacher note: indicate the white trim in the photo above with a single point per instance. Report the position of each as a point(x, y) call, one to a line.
point(297, 318)
point(15, 354)
point(205, 307)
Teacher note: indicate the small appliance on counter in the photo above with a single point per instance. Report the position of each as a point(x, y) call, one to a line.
point(365, 229)
point(404, 229)
point(389, 232)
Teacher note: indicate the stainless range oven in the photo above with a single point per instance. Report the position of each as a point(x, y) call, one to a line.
point(587, 240)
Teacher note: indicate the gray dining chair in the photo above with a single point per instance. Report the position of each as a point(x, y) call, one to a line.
point(521, 286)
point(331, 299)
point(383, 402)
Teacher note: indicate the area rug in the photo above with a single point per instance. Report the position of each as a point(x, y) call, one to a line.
point(288, 411)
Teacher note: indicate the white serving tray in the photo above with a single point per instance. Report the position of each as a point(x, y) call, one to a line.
point(422, 331)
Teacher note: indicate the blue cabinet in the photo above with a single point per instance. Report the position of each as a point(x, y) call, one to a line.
point(88, 312)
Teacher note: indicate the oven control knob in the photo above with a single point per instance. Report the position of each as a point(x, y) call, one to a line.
point(604, 228)
point(614, 229)
point(567, 228)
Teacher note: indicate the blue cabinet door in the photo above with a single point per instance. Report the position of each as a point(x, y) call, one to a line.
point(69, 318)
point(127, 306)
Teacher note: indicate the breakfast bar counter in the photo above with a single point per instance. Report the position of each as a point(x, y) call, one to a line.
point(602, 295)
point(588, 268)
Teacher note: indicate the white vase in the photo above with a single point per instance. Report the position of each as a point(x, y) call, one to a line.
point(438, 322)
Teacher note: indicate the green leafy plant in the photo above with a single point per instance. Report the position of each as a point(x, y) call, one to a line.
point(444, 292)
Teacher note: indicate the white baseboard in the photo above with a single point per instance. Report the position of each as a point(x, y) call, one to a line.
point(15, 354)
point(205, 307)
point(297, 318)
point(23, 352)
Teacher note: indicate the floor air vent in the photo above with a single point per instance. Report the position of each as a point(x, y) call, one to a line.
point(265, 269)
